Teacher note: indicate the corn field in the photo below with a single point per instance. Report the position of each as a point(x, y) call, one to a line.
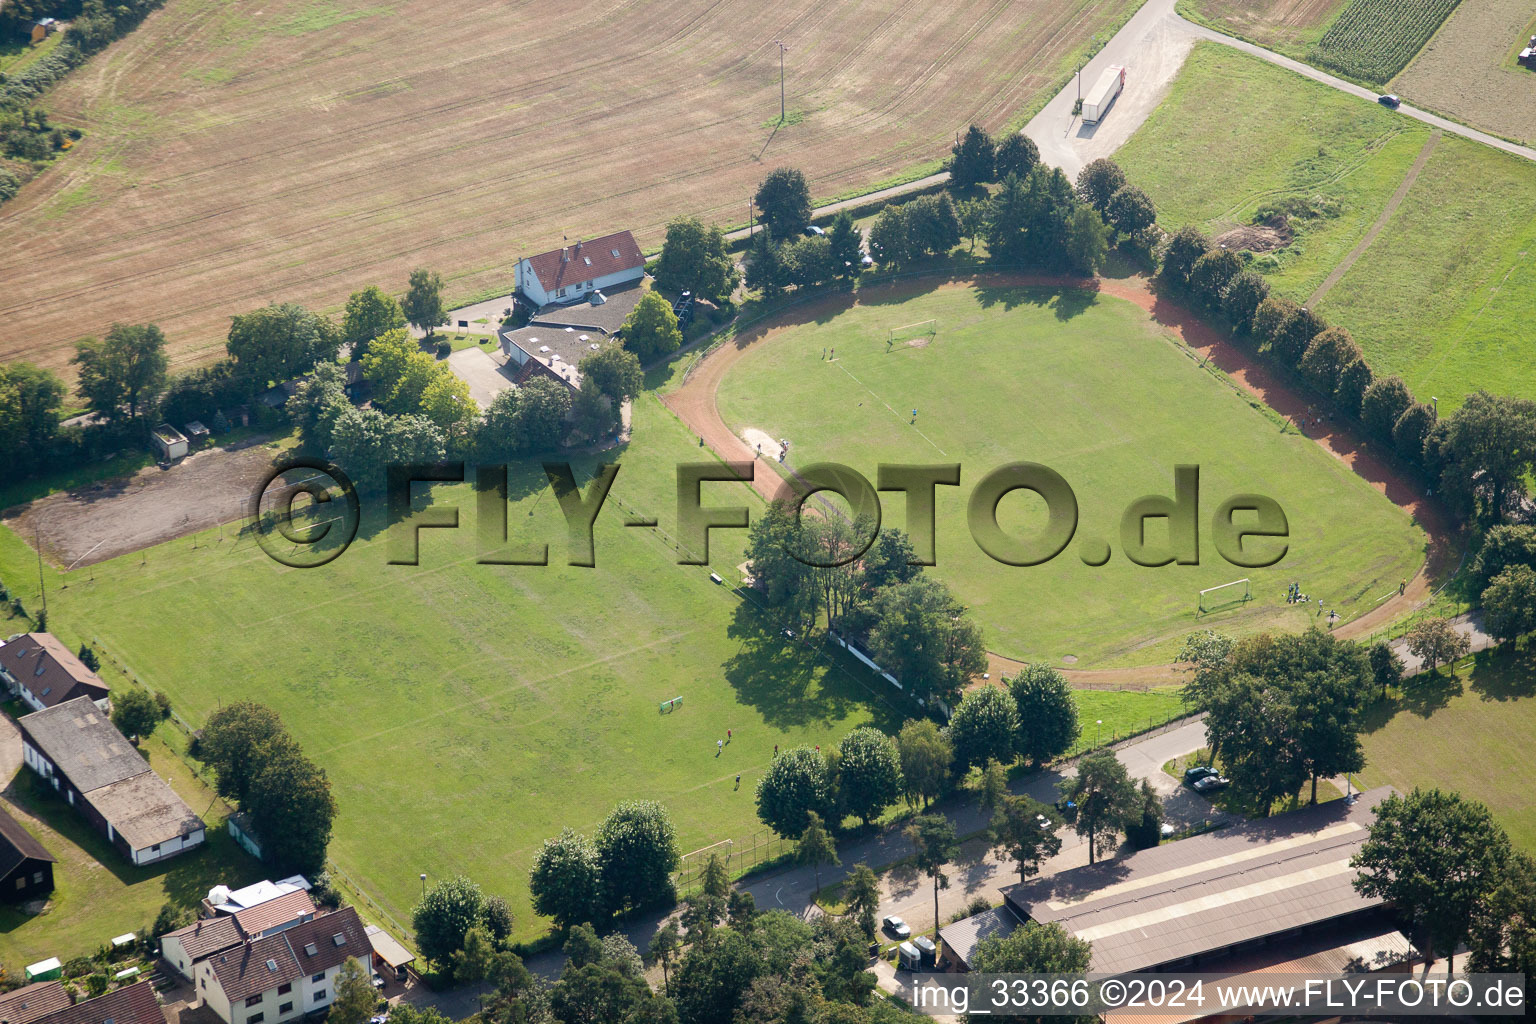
point(1375, 39)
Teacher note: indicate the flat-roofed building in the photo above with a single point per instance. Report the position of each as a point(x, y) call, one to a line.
point(1186, 904)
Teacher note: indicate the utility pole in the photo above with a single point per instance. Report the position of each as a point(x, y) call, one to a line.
point(782, 50)
point(41, 586)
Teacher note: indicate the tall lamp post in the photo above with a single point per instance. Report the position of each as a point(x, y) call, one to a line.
point(782, 50)
point(1098, 731)
point(423, 885)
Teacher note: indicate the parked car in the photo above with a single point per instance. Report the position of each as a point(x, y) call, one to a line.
point(1389, 100)
point(896, 927)
point(866, 260)
point(1198, 772)
point(1167, 829)
point(813, 230)
point(378, 980)
point(1211, 783)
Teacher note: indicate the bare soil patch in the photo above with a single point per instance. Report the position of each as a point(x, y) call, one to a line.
point(92, 524)
point(1271, 235)
point(1468, 70)
point(297, 151)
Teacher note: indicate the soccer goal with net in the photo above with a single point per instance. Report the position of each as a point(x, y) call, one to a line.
point(921, 329)
point(1224, 596)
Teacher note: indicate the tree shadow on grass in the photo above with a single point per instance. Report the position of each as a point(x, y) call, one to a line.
point(1066, 303)
point(792, 683)
point(1504, 673)
point(1421, 695)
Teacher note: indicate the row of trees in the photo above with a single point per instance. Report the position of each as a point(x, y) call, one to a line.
point(1034, 217)
point(1478, 458)
point(625, 865)
point(1034, 718)
point(822, 568)
point(257, 764)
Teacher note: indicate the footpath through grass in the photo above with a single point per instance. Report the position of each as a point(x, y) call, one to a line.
point(1442, 297)
point(1092, 388)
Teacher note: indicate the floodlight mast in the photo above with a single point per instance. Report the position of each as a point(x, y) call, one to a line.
point(782, 50)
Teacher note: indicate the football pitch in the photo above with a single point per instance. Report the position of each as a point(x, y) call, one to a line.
point(467, 712)
point(1092, 388)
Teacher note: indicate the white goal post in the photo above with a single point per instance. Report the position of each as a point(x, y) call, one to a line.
point(1207, 603)
point(923, 328)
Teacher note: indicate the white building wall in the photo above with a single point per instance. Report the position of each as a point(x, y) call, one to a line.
point(169, 848)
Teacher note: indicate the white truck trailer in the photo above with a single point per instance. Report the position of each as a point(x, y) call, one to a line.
point(1103, 93)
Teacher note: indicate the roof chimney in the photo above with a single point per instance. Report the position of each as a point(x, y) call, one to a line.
point(564, 256)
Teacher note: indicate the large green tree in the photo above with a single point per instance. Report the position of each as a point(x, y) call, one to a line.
point(123, 374)
point(1487, 454)
point(923, 635)
point(231, 745)
point(291, 807)
point(926, 759)
point(1106, 798)
point(973, 158)
point(985, 726)
point(369, 314)
point(868, 773)
point(280, 341)
point(566, 881)
point(1510, 603)
point(795, 785)
point(1024, 830)
point(1436, 857)
point(446, 913)
point(636, 853)
point(423, 305)
point(1047, 713)
point(355, 998)
point(134, 712)
point(847, 246)
point(30, 400)
point(694, 259)
point(816, 846)
point(651, 330)
point(784, 202)
point(1098, 182)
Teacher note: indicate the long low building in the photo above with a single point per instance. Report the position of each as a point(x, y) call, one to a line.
point(75, 748)
point(1190, 904)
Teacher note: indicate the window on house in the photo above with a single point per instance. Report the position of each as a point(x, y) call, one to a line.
point(21, 883)
point(253, 1000)
point(255, 1018)
point(320, 995)
point(318, 977)
point(155, 848)
point(284, 989)
point(587, 260)
point(615, 253)
point(204, 984)
point(37, 878)
point(560, 294)
point(285, 1008)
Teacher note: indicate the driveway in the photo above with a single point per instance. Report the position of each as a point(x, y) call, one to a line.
point(485, 376)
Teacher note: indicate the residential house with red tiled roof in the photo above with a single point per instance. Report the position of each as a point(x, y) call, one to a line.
point(44, 673)
point(572, 273)
point(284, 975)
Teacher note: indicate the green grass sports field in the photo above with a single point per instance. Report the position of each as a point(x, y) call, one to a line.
point(466, 712)
point(1092, 388)
point(1471, 732)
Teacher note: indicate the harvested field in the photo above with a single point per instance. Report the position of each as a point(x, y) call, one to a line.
point(1468, 70)
point(1288, 26)
point(301, 149)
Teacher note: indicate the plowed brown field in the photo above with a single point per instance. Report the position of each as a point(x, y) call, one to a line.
point(301, 149)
